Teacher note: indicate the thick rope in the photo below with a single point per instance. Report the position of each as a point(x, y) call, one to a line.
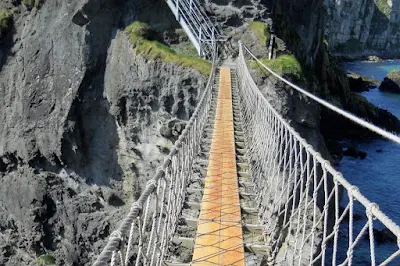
point(330, 106)
point(167, 203)
point(299, 192)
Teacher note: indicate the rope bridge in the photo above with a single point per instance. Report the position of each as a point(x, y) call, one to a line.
point(144, 235)
point(298, 193)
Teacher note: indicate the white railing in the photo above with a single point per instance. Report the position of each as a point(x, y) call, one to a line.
point(144, 235)
point(299, 193)
point(197, 25)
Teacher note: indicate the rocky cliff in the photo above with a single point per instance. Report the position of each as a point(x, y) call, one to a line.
point(85, 118)
point(84, 121)
point(302, 26)
point(360, 28)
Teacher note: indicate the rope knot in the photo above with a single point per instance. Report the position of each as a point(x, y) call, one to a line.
point(136, 205)
point(151, 182)
point(336, 178)
point(167, 162)
point(350, 253)
point(353, 190)
point(369, 209)
point(116, 236)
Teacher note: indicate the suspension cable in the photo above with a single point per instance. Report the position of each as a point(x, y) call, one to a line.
point(330, 106)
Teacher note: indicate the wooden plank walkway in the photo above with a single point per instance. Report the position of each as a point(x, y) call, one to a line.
point(219, 238)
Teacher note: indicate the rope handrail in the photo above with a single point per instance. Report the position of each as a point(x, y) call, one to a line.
point(175, 165)
point(196, 23)
point(298, 191)
point(330, 106)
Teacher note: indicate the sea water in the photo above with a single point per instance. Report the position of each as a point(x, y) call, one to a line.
point(378, 175)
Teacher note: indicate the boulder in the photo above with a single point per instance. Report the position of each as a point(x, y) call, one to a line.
point(391, 82)
point(359, 83)
point(354, 152)
point(382, 236)
point(374, 58)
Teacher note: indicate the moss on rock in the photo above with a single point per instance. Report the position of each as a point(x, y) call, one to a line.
point(5, 20)
point(31, 3)
point(286, 65)
point(45, 259)
point(383, 6)
point(140, 34)
point(260, 29)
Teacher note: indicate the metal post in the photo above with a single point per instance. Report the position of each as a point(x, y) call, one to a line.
point(199, 34)
point(177, 10)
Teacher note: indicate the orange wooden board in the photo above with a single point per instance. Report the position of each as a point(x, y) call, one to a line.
point(219, 238)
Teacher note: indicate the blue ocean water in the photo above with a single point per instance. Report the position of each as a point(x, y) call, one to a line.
point(378, 175)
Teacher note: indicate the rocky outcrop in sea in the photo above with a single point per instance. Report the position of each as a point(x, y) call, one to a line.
point(391, 83)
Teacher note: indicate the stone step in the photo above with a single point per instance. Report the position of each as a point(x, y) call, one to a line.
point(240, 144)
point(197, 206)
point(241, 152)
point(249, 247)
point(242, 193)
point(254, 228)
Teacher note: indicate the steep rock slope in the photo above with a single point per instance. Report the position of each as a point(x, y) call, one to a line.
point(84, 122)
point(360, 28)
point(301, 25)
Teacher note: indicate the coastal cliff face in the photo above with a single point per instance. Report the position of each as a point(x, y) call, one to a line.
point(85, 121)
point(360, 28)
point(302, 27)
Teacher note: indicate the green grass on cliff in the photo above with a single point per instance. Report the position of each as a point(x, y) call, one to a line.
point(5, 17)
point(31, 3)
point(260, 29)
point(383, 6)
point(285, 65)
point(140, 35)
point(45, 260)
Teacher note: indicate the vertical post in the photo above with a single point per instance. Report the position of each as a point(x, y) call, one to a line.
point(200, 44)
point(177, 10)
point(199, 34)
point(271, 47)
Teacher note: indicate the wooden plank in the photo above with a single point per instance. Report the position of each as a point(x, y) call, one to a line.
point(219, 238)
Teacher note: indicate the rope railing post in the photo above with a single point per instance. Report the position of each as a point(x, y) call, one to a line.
point(299, 192)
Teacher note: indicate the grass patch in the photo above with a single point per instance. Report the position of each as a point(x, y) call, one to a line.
point(5, 18)
point(141, 35)
point(31, 3)
point(383, 6)
point(187, 49)
point(260, 29)
point(45, 259)
point(285, 65)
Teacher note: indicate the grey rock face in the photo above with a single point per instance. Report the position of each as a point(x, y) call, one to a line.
point(148, 98)
point(391, 83)
point(363, 27)
point(74, 95)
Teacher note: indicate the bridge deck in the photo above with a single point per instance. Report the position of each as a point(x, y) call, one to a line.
point(219, 238)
